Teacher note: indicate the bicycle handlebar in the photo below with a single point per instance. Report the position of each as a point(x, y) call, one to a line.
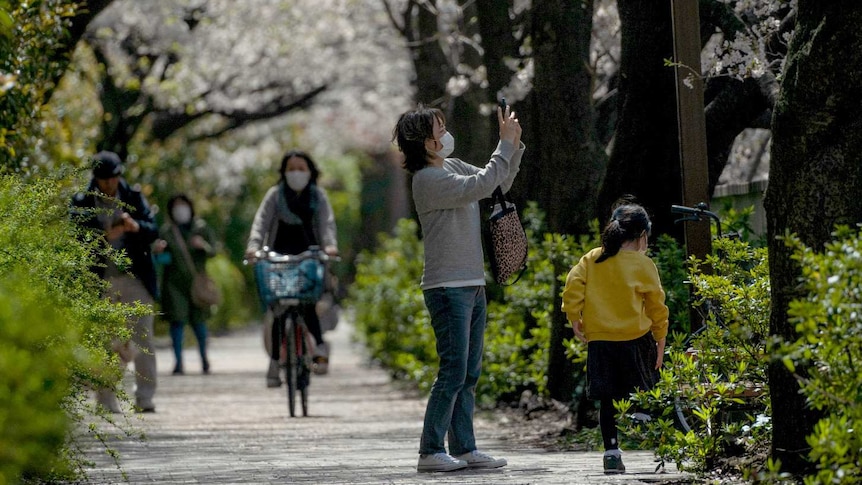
point(313, 252)
point(697, 213)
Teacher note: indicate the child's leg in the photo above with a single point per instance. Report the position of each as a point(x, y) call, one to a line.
point(612, 461)
point(608, 424)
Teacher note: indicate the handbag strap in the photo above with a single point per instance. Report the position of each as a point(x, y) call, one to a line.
point(181, 242)
point(498, 197)
point(520, 273)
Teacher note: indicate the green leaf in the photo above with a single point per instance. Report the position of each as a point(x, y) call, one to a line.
point(6, 22)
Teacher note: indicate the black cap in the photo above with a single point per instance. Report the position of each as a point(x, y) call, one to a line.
point(106, 165)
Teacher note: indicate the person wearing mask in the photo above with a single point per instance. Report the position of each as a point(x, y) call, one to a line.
point(446, 192)
point(120, 215)
point(185, 244)
point(615, 302)
point(294, 215)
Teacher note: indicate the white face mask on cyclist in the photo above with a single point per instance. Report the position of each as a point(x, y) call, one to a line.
point(297, 179)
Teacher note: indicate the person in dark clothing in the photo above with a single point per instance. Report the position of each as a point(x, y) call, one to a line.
point(185, 244)
point(294, 215)
point(121, 215)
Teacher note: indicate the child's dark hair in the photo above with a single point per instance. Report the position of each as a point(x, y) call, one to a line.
point(411, 131)
point(628, 222)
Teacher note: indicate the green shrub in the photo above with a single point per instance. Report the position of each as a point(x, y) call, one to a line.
point(55, 327)
point(718, 379)
point(34, 382)
point(738, 223)
point(829, 324)
point(669, 258)
point(31, 60)
point(234, 311)
point(389, 308)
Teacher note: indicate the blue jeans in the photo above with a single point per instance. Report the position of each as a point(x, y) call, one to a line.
point(458, 318)
point(200, 330)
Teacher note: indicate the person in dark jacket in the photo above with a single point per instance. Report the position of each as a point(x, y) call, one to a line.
point(182, 237)
point(121, 215)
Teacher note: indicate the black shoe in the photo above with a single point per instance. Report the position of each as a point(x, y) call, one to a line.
point(613, 464)
point(178, 370)
point(206, 367)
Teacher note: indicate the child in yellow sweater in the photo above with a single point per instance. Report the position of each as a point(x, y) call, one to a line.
point(615, 303)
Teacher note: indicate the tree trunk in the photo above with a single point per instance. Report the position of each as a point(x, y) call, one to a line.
point(429, 62)
point(815, 182)
point(498, 43)
point(85, 13)
point(564, 164)
point(645, 159)
point(383, 200)
point(466, 122)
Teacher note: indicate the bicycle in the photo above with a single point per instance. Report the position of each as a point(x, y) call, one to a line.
point(740, 398)
point(285, 282)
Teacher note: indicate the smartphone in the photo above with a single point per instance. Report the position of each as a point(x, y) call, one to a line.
point(503, 105)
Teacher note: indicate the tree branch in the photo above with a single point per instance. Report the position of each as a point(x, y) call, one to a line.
point(166, 123)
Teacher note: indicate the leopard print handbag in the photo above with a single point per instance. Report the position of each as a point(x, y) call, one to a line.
point(507, 245)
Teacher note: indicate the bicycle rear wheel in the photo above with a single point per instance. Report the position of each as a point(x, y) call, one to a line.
point(683, 417)
point(304, 374)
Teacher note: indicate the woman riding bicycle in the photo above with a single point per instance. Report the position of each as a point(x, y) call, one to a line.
point(294, 215)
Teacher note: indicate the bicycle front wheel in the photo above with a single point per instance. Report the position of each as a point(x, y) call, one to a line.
point(290, 366)
point(304, 374)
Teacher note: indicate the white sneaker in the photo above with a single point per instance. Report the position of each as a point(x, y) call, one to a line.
point(439, 462)
point(477, 459)
point(320, 359)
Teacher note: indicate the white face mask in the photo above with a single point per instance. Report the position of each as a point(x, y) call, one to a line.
point(181, 214)
point(297, 180)
point(448, 142)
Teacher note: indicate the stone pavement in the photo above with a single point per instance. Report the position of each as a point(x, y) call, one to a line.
point(227, 427)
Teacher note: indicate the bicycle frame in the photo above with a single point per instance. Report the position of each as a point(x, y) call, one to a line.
point(286, 285)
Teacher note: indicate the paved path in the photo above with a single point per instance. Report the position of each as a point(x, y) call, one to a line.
point(229, 428)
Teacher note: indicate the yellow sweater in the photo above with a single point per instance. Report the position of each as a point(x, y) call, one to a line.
point(619, 299)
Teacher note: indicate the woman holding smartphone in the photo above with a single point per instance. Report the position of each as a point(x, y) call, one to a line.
point(446, 192)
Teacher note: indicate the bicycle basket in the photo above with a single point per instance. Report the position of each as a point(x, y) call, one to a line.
point(302, 280)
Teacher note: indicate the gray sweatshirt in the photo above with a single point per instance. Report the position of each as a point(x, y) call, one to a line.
point(447, 201)
point(265, 224)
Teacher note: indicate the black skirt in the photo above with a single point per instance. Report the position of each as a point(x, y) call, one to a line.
point(616, 369)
